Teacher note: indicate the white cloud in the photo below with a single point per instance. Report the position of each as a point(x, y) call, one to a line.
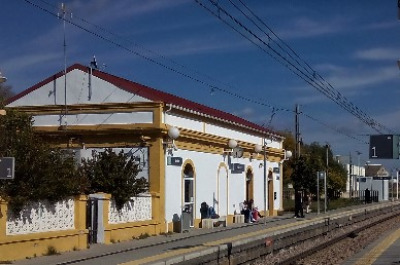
point(304, 27)
point(18, 63)
point(359, 78)
point(378, 54)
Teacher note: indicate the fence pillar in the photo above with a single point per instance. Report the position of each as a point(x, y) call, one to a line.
point(106, 208)
point(3, 219)
point(80, 220)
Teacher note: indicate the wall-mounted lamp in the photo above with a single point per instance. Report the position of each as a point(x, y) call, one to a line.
point(169, 145)
point(288, 154)
point(231, 144)
point(257, 148)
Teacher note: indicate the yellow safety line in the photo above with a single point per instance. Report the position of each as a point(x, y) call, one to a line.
point(212, 244)
point(173, 253)
point(377, 251)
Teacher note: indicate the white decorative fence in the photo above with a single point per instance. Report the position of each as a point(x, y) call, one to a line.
point(42, 217)
point(137, 209)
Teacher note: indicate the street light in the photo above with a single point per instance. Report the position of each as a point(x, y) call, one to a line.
point(258, 149)
point(2, 80)
point(359, 170)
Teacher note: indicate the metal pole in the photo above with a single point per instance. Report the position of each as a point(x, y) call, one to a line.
point(318, 177)
point(397, 184)
point(265, 181)
point(326, 193)
point(326, 175)
point(350, 175)
point(359, 170)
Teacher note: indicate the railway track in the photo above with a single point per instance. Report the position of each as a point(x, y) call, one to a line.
point(337, 244)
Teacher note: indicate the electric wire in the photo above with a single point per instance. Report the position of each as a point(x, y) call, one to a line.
point(313, 79)
point(130, 50)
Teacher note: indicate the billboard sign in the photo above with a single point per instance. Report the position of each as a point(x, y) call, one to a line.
point(384, 146)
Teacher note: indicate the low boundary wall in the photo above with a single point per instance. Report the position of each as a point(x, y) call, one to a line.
point(17, 242)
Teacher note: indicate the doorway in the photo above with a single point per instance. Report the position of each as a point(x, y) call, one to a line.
point(270, 193)
point(249, 185)
point(188, 197)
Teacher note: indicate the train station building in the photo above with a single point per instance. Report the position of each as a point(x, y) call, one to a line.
point(188, 152)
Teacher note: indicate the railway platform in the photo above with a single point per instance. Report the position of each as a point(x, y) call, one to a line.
point(215, 244)
point(384, 251)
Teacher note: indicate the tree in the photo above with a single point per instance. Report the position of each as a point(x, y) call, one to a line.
point(288, 144)
point(5, 93)
point(45, 173)
point(115, 174)
point(41, 173)
point(305, 168)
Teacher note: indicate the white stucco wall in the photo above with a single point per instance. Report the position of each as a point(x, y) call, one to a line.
point(77, 89)
point(206, 168)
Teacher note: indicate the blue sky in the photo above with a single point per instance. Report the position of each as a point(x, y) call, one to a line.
point(354, 45)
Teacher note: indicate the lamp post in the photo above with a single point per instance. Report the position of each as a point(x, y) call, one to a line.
point(2, 80)
point(359, 170)
point(397, 184)
point(258, 148)
point(326, 175)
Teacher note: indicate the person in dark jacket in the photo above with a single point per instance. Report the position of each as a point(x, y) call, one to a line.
point(298, 205)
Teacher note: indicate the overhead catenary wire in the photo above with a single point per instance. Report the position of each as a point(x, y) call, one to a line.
point(283, 56)
point(117, 43)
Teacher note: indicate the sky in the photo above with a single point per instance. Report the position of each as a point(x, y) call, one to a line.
point(187, 48)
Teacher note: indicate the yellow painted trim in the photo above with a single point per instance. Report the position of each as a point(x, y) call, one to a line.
point(89, 108)
point(3, 219)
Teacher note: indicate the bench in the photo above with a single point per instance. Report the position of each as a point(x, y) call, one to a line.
point(211, 223)
point(238, 219)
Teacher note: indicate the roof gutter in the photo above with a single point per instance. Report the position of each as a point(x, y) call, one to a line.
point(272, 135)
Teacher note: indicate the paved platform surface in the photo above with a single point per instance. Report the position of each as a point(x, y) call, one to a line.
point(384, 251)
point(164, 249)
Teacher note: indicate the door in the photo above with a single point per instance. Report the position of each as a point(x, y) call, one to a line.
point(249, 185)
point(188, 198)
point(92, 209)
point(270, 194)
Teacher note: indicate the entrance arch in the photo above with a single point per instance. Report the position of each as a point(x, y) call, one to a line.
point(270, 193)
point(188, 193)
point(249, 184)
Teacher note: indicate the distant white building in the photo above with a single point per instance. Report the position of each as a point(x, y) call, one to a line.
point(354, 173)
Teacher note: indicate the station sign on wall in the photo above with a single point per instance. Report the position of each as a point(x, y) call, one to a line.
point(7, 166)
point(384, 146)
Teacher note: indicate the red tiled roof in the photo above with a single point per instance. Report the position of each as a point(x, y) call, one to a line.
point(151, 94)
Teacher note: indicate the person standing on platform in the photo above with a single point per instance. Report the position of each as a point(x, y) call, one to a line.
point(298, 205)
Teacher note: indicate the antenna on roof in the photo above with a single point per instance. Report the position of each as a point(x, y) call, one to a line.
point(93, 64)
point(62, 15)
point(63, 10)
